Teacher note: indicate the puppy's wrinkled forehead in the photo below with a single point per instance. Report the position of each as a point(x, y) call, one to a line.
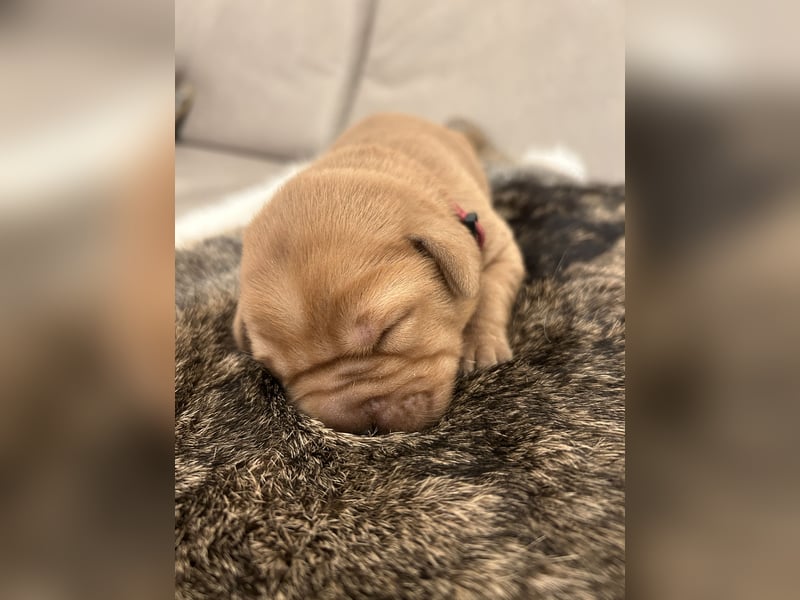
point(308, 319)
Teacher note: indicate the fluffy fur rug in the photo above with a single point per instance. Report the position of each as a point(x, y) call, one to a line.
point(517, 493)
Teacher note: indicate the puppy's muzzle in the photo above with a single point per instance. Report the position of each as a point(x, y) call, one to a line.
point(383, 414)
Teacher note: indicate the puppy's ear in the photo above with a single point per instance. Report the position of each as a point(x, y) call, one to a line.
point(456, 256)
point(240, 331)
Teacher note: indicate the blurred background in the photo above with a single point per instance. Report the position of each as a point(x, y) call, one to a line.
point(274, 82)
point(86, 300)
point(713, 290)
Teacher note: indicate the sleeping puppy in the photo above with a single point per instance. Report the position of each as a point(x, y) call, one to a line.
point(373, 275)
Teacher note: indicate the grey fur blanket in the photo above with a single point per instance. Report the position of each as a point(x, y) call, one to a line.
point(517, 493)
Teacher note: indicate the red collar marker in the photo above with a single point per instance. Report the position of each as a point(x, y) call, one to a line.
point(470, 221)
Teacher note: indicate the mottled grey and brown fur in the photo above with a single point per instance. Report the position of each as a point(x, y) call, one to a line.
point(518, 492)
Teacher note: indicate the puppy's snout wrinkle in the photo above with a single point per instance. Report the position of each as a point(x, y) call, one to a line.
point(380, 393)
point(357, 407)
point(351, 378)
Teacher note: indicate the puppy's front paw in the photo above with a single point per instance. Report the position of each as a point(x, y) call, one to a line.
point(484, 348)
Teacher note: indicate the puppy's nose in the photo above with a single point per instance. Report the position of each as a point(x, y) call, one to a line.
point(410, 413)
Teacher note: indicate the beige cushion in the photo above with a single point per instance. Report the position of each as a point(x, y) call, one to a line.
point(541, 72)
point(205, 177)
point(270, 76)
point(282, 78)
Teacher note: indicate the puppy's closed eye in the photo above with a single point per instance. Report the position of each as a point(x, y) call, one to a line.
point(387, 334)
